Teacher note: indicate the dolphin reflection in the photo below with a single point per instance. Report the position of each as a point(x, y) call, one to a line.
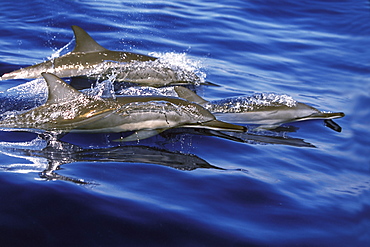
point(54, 153)
point(276, 137)
point(46, 153)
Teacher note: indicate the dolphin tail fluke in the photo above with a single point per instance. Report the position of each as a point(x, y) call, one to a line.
point(222, 126)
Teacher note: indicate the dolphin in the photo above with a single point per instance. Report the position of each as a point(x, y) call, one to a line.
point(86, 55)
point(68, 110)
point(88, 58)
point(269, 114)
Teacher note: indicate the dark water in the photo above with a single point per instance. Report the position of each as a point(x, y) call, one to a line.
point(274, 190)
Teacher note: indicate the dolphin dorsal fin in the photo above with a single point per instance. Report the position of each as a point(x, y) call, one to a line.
point(58, 90)
point(84, 42)
point(189, 95)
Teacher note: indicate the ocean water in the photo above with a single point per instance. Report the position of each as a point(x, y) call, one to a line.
point(304, 185)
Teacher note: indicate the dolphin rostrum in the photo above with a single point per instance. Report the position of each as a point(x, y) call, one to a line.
point(68, 110)
point(267, 110)
point(88, 58)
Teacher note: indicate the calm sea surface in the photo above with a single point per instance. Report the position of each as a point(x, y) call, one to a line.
point(305, 185)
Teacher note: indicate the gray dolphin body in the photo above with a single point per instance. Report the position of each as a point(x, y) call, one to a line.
point(271, 114)
point(68, 110)
point(91, 59)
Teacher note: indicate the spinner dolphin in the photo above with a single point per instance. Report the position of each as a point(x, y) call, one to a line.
point(269, 112)
point(88, 58)
point(68, 110)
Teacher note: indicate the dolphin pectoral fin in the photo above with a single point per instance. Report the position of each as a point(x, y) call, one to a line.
point(189, 95)
point(332, 125)
point(140, 135)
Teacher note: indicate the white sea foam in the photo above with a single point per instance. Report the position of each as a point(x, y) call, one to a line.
point(169, 68)
point(250, 103)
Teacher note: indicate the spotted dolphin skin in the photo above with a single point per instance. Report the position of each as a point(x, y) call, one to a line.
point(68, 110)
point(270, 115)
point(90, 58)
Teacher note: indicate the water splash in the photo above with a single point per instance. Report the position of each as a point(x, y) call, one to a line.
point(15, 149)
point(191, 69)
point(250, 103)
point(62, 50)
point(103, 89)
point(23, 97)
point(147, 91)
point(33, 89)
point(169, 68)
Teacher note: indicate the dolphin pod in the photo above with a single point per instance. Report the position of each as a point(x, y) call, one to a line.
point(88, 58)
point(68, 110)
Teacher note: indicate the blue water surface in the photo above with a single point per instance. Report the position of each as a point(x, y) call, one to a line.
point(305, 185)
